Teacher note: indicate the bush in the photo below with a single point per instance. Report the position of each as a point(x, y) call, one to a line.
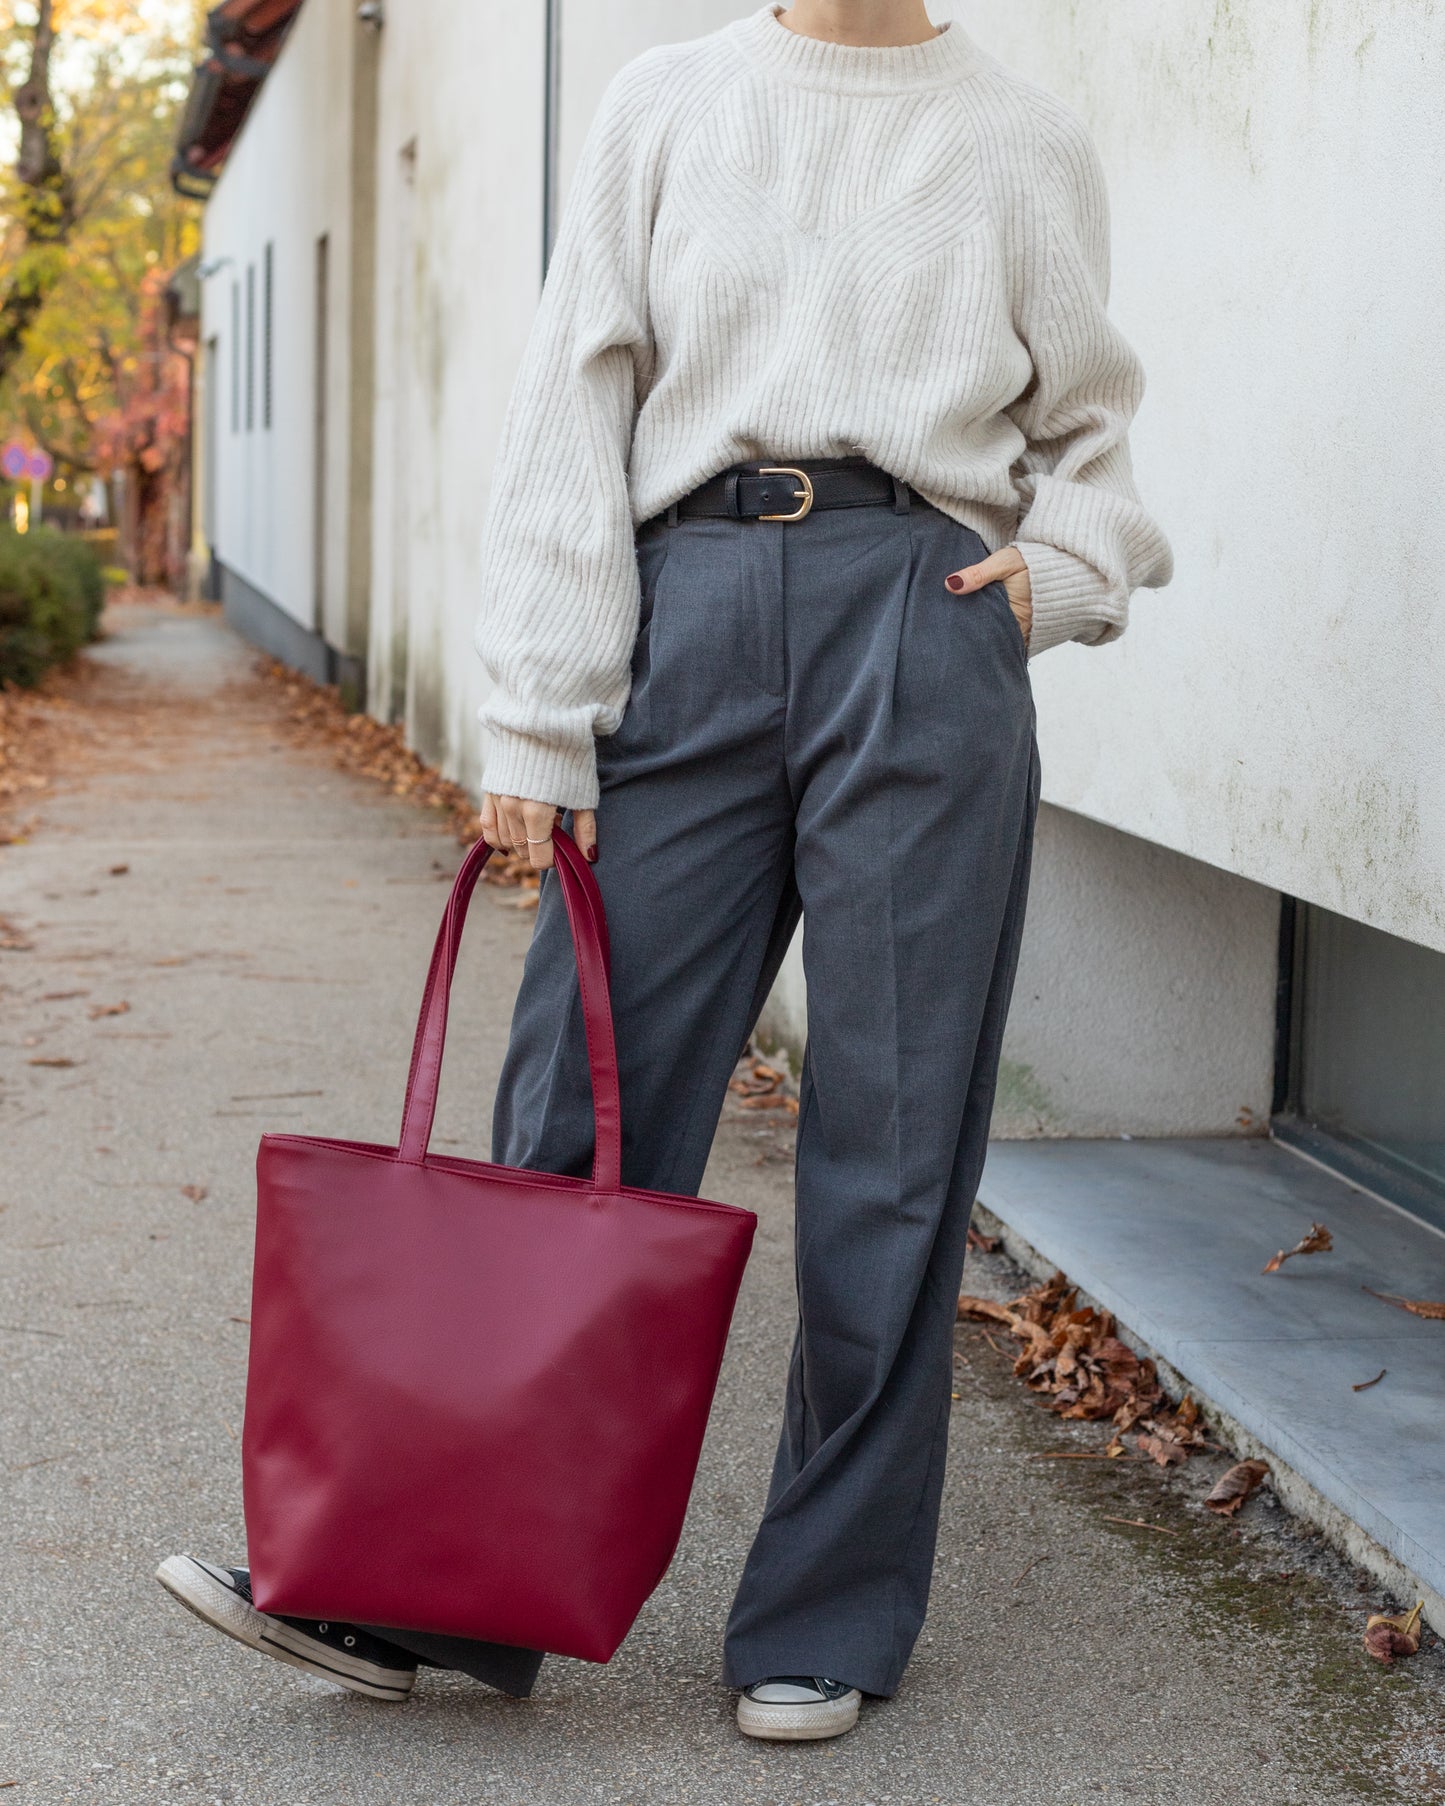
point(51, 593)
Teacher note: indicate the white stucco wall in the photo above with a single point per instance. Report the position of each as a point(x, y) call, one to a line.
point(459, 263)
point(1278, 174)
point(1145, 998)
point(286, 182)
point(458, 269)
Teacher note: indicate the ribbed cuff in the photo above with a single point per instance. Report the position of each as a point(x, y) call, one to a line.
point(1071, 600)
point(542, 771)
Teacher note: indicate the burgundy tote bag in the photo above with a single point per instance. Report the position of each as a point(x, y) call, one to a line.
point(476, 1394)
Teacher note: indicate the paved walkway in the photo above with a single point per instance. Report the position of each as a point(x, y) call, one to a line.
point(269, 935)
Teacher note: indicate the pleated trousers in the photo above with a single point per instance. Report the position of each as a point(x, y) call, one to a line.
point(817, 726)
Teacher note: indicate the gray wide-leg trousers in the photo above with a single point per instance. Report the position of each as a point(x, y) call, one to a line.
point(815, 724)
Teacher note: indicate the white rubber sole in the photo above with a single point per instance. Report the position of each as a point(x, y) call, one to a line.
point(799, 1723)
point(206, 1591)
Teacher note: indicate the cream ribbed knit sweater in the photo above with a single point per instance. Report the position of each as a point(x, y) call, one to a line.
point(779, 247)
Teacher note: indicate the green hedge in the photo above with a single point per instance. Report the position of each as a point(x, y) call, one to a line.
point(51, 592)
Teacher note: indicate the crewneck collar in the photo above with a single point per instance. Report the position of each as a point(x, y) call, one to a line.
point(855, 68)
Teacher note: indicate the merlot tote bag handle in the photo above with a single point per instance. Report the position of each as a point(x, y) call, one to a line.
point(588, 923)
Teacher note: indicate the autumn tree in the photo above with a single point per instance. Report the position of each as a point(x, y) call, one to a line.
point(92, 231)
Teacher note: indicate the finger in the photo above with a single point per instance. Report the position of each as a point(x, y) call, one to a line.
point(539, 819)
point(514, 828)
point(490, 832)
point(584, 832)
point(992, 569)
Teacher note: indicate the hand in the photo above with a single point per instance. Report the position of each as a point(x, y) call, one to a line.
point(1007, 566)
point(515, 824)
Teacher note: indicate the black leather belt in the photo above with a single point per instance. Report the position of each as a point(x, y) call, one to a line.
point(788, 492)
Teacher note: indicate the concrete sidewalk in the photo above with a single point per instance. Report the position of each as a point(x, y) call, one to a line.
point(269, 935)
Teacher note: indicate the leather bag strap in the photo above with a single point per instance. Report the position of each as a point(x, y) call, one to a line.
point(588, 923)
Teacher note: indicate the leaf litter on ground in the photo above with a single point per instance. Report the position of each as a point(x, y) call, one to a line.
point(758, 1086)
point(1074, 1359)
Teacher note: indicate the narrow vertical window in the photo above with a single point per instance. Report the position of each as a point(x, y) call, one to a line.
point(235, 357)
point(250, 346)
point(210, 422)
point(266, 317)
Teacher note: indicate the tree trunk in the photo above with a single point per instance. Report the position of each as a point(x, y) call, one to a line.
point(47, 204)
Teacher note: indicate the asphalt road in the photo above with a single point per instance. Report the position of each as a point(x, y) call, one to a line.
point(269, 936)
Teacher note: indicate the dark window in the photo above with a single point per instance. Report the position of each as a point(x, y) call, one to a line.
point(266, 314)
point(250, 346)
point(235, 357)
point(1366, 1056)
point(209, 424)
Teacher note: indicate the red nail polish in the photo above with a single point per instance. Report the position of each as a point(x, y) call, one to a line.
point(955, 584)
point(591, 855)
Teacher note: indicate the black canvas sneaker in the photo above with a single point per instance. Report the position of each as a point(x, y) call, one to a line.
point(791, 1708)
point(334, 1652)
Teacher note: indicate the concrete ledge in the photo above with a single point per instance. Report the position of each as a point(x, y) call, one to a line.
point(1171, 1236)
point(266, 624)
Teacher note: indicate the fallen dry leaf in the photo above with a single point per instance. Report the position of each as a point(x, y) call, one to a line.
point(119, 871)
point(1163, 1450)
point(1318, 1241)
point(985, 1307)
point(985, 1244)
point(1233, 1488)
point(108, 1009)
point(757, 1086)
point(51, 1060)
point(1431, 1308)
point(194, 1192)
point(1393, 1639)
point(1365, 1385)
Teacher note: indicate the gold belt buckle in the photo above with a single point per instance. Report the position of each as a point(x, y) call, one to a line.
point(805, 494)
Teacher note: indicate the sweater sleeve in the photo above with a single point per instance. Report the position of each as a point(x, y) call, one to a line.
point(1083, 532)
point(559, 580)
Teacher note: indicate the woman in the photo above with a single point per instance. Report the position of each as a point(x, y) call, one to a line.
point(819, 436)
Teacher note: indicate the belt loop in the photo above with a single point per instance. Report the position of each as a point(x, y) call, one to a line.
point(734, 507)
point(672, 514)
point(901, 498)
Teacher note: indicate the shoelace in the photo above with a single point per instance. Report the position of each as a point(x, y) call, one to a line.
point(827, 1690)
